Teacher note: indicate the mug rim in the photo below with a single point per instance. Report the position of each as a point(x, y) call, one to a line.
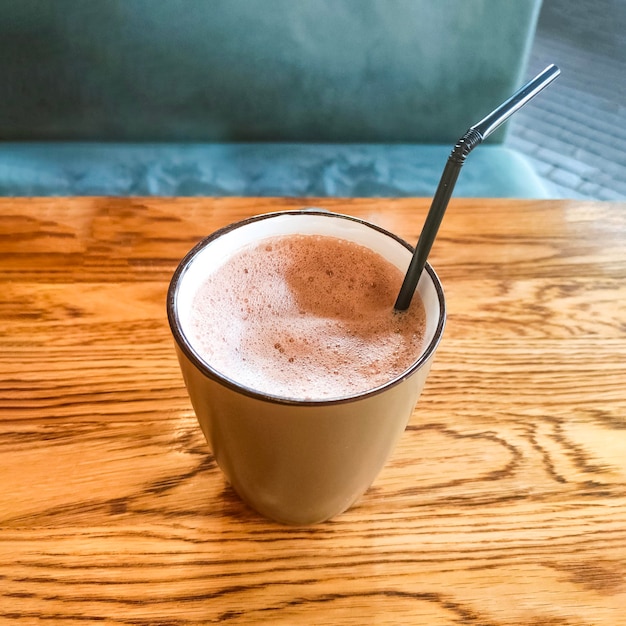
point(205, 368)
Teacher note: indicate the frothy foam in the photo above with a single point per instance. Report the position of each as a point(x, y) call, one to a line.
point(308, 317)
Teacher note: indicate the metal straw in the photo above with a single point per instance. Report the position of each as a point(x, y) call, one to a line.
point(474, 135)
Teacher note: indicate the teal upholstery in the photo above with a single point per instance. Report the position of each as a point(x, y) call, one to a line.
point(257, 97)
point(297, 170)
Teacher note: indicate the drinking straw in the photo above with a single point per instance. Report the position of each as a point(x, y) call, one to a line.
point(473, 136)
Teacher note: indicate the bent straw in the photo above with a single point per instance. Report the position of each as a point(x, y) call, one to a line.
point(474, 135)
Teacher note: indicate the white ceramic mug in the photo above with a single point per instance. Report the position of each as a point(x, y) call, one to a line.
point(299, 461)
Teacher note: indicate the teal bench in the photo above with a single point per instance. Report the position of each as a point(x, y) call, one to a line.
point(258, 97)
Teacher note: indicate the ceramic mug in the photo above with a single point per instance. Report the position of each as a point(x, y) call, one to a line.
point(299, 461)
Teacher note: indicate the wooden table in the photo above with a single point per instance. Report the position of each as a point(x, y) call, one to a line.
point(504, 504)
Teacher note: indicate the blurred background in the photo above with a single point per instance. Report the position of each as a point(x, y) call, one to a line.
point(575, 133)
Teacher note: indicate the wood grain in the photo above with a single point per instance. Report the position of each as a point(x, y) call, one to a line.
point(504, 504)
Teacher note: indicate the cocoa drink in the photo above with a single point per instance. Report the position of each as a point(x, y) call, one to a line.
point(306, 316)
